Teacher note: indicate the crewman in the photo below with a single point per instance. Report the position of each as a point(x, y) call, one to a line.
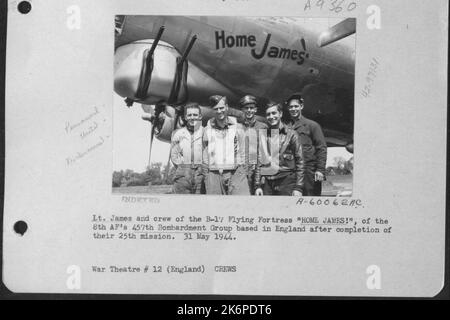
point(313, 145)
point(252, 129)
point(224, 152)
point(284, 172)
point(187, 152)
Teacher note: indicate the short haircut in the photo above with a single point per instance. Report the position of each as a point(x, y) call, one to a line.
point(192, 106)
point(214, 100)
point(274, 104)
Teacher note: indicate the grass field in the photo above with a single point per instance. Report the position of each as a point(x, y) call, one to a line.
point(163, 189)
point(337, 184)
point(332, 187)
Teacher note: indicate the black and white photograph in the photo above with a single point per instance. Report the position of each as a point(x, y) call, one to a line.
point(225, 149)
point(196, 96)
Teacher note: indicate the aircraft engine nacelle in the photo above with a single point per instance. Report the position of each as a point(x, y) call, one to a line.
point(166, 130)
point(131, 70)
point(165, 124)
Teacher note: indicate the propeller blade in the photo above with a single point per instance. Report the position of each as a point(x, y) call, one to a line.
point(156, 41)
point(166, 173)
point(176, 122)
point(188, 49)
point(152, 137)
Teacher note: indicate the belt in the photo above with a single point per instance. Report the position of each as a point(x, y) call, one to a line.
point(222, 171)
point(280, 175)
point(190, 166)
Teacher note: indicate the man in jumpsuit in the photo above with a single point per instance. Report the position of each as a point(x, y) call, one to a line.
point(187, 152)
point(224, 152)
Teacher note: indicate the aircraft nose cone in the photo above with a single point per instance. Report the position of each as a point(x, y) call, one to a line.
point(132, 75)
point(125, 87)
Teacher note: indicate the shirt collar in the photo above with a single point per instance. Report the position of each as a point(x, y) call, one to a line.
point(250, 124)
point(283, 129)
point(196, 133)
point(300, 121)
point(228, 123)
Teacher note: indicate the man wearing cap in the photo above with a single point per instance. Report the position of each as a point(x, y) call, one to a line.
point(224, 152)
point(313, 145)
point(252, 129)
point(284, 173)
point(187, 152)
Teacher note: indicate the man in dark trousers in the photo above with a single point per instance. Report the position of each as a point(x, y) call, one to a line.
point(284, 171)
point(313, 145)
point(252, 129)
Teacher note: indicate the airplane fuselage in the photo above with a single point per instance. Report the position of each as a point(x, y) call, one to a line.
point(270, 58)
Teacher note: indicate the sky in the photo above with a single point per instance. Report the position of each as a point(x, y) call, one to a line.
point(131, 140)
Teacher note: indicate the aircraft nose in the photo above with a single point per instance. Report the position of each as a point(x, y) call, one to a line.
point(129, 68)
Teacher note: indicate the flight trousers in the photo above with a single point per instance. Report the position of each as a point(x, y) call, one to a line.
point(311, 188)
point(227, 182)
point(283, 186)
point(189, 180)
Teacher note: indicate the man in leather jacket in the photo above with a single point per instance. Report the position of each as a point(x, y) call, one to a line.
point(282, 163)
point(252, 129)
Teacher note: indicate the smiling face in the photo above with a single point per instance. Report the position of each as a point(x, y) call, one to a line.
point(295, 108)
point(273, 116)
point(221, 110)
point(249, 111)
point(193, 117)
